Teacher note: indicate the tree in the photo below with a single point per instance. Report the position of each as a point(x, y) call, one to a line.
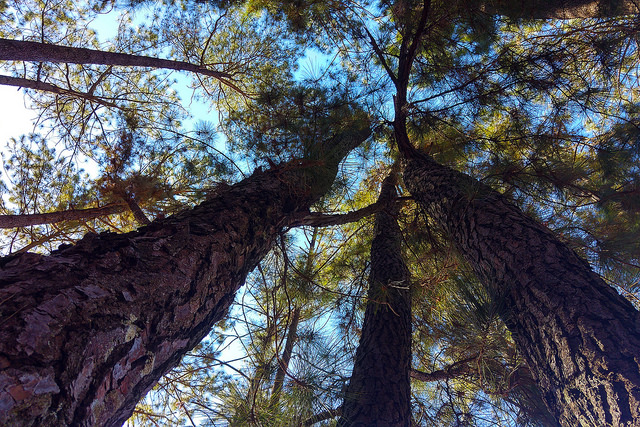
point(572, 328)
point(379, 390)
point(504, 99)
point(162, 300)
point(567, 340)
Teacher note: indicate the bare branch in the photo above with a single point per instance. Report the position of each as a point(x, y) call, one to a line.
point(321, 416)
point(317, 219)
point(381, 57)
point(26, 220)
point(48, 87)
point(454, 370)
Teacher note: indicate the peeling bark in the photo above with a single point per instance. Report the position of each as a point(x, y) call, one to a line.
point(379, 392)
point(88, 330)
point(580, 338)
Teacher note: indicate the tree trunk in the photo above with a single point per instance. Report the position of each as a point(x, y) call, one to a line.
point(580, 338)
point(27, 220)
point(88, 330)
point(283, 361)
point(47, 87)
point(19, 50)
point(379, 392)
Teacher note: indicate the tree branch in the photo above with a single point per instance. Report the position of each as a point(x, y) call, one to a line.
point(26, 220)
point(321, 416)
point(380, 54)
point(422, 26)
point(317, 219)
point(19, 50)
point(452, 371)
point(137, 212)
point(48, 87)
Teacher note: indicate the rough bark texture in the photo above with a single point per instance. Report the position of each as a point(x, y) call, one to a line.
point(88, 330)
point(580, 338)
point(379, 392)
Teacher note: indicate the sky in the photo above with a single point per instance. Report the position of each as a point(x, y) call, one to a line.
point(15, 119)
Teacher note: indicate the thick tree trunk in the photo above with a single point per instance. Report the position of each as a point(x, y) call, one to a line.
point(379, 392)
point(580, 338)
point(88, 330)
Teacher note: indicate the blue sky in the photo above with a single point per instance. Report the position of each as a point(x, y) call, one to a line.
point(15, 119)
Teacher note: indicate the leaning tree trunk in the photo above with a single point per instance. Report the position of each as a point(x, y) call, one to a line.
point(27, 220)
point(379, 392)
point(580, 338)
point(88, 330)
point(20, 50)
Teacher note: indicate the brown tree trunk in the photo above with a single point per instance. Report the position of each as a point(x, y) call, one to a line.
point(379, 392)
point(88, 330)
point(580, 338)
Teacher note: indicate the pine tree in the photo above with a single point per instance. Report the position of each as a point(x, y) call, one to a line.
point(517, 137)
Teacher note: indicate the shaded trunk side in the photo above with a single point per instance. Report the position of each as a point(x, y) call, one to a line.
point(580, 338)
point(88, 330)
point(379, 392)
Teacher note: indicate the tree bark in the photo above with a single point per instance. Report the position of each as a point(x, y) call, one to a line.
point(580, 338)
point(379, 392)
point(88, 330)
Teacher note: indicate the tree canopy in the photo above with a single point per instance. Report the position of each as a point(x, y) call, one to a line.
point(207, 150)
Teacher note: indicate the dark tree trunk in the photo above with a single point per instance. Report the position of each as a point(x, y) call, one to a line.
point(580, 338)
point(379, 392)
point(88, 330)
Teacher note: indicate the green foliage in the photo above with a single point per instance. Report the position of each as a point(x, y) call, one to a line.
point(545, 112)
